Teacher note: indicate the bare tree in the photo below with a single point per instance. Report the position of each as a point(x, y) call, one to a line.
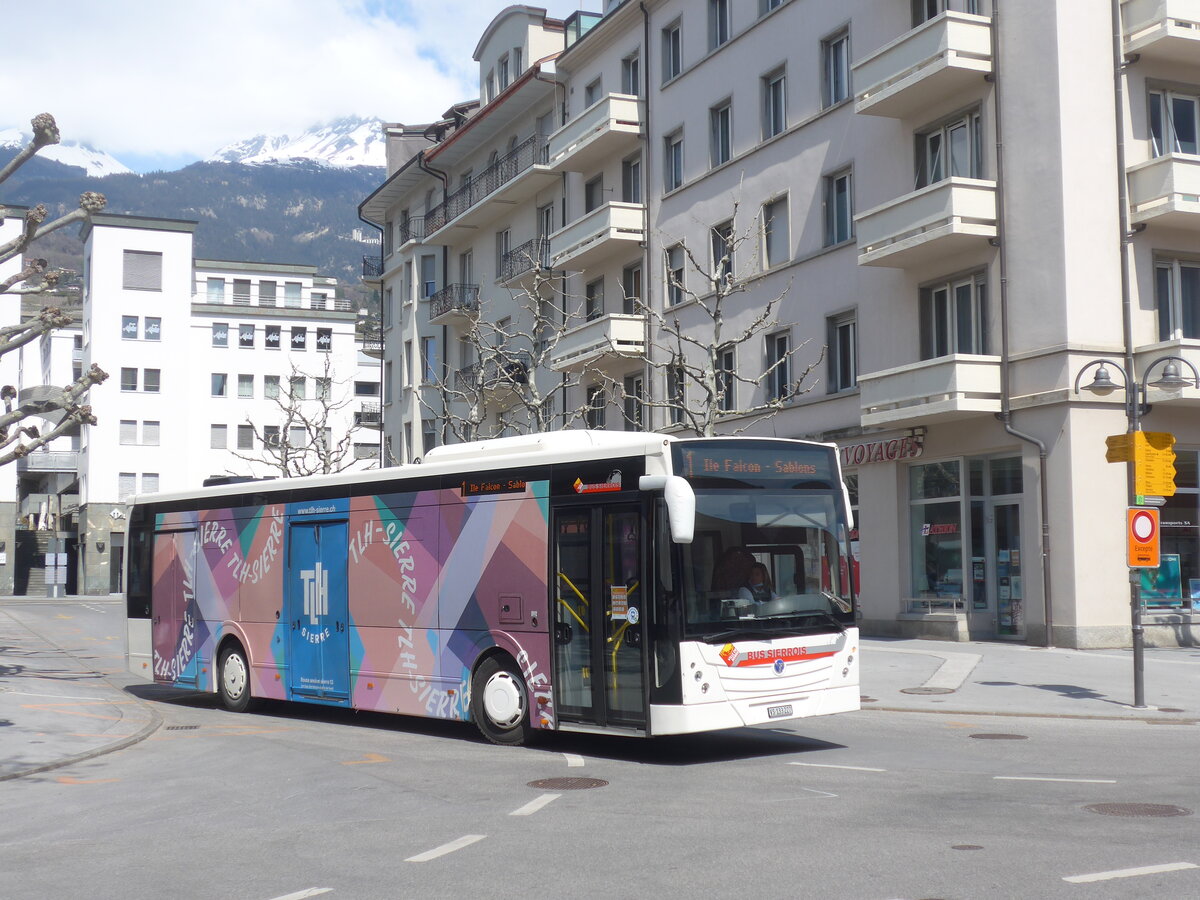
point(64, 408)
point(691, 338)
point(307, 435)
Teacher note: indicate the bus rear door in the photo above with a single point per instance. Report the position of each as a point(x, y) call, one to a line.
point(318, 609)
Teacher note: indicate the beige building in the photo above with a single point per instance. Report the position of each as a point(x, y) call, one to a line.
point(960, 206)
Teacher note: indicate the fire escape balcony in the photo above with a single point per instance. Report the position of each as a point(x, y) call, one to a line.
point(608, 129)
point(1166, 191)
point(617, 335)
point(948, 218)
point(934, 390)
point(940, 59)
point(454, 303)
point(493, 193)
point(1162, 30)
point(612, 230)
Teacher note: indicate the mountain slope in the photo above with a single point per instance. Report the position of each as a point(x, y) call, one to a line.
point(349, 141)
point(95, 163)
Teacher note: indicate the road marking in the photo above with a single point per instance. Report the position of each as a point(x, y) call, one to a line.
point(370, 758)
point(1067, 780)
point(574, 760)
point(300, 895)
point(826, 766)
point(534, 805)
point(67, 779)
point(465, 841)
point(1130, 873)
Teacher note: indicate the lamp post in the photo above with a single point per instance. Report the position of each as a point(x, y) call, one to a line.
point(1135, 408)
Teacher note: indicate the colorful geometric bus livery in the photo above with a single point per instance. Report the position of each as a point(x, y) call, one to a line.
point(280, 577)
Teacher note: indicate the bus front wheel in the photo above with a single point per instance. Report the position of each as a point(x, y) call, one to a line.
point(233, 679)
point(499, 702)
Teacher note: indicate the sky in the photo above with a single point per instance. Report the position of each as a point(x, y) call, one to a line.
point(162, 83)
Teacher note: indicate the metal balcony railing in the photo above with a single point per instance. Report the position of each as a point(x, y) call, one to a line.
point(412, 230)
point(529, 152)
point(372, 267)
point(531, 254)
point(454, 298)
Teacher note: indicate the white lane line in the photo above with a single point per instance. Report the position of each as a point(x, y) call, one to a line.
point(465, 841)
point(1130, 873)
point(534, 805)
point(300, 895)
point(574, 760)
point(849, 768)
point(1067, 780)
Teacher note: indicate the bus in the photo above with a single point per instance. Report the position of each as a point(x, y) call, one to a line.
point(585, 581)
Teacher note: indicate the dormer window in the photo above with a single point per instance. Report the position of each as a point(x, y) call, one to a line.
point(503, 70)
point(517, 68)
point(489, 87)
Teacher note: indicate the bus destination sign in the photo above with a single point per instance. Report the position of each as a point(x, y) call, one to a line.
point(485, 486)
point(748, 461)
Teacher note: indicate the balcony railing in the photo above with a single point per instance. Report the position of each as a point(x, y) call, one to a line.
point(49, 461)
point(529, 152)
point(616, 334)
point(606, 129)
point(604, 232)
point(946, 388)
point(505, 372)
point(531, 254)
point(953, 216)
point(926, 66)
point(372, 267)
point(1166, 191)
point(411, 230)
point(462, 299)
point(370, 414)
point(1162, 30)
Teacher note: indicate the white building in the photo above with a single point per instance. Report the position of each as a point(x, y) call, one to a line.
point(937, 190)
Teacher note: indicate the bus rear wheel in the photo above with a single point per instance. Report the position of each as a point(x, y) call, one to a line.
point(499, 703)
point(233, 679)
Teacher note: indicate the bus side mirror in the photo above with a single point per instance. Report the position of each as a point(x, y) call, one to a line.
point(681, 503)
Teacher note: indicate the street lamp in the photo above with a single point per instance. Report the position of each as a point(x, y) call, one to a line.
point(1135, 407)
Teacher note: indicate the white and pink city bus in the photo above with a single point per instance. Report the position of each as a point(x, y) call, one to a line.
point(632, 583)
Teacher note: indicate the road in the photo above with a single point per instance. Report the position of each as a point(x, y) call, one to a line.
point(295, 801)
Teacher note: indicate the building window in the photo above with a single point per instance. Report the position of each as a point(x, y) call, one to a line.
point(779, 366)
point(676, 393)
point(325, 339)
point(298, 387)
point(218, 437)
point(672, 51)
point(366, 389)
point(635, 407)
point(1174, 122)
point(765, 6)
point(503, 246)
point(429, 361)
point(299, 338)
point(246, 337)
point(924, 10)
point(149, 482)
point(593, 195)
point(835, 60)
point(216, 290)
point(839, 206)
point(718, 23)
point(129, 328)
point(270, 436)
point(129, 379)
point(220, 334)
point(593, 294)
point(151, 380)
point(266, 293)
point(720, 132)
point(935, 528)
point(220, 384)
point(726, 379)
point(297, 436)
point(271, 387)
point(1177, 296)
point(126, 485)
point(246, 387)
point(142, 271)
point(324, 388)
point(722, 245)
point(631, 179)
point(673, 161)
point(128, 431)
point(592, 92)
point(150, 433)
point(631, 75)
point(953, 318)
point(245, 437)
point(952, 149)
point(291, 294)
point(842, 339)
point(428, 276)
point(631, 290)
point(776, 237)
point(593, 413)
point(272, 336)
point(774, 93)
point(152, 328)
point(366, 451)
point(502, 70)
point(241, 291)
point(674, 275)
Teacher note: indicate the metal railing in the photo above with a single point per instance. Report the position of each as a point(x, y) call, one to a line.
point(454, 298)
point(529, 152)
point(412, 230)
point(372, 266)
point(531, 254)
point(507, 369)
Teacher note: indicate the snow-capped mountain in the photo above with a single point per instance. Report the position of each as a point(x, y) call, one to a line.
point(345, 142)
point(95, 162)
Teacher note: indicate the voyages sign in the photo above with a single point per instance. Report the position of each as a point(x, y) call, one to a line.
point(892, 450)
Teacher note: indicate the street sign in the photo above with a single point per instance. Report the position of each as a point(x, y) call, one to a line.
point(1153, 458)
point(1142, 532)
point(1120, 448)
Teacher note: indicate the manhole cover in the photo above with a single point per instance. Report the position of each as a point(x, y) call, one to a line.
point(1000, 737)
point(568, 784)
point(181, 727)
point(966, 847)
point(926, 690)
point(1169, 709)
point(1138, 810)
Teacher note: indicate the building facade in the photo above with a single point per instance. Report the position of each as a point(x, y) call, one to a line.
point(954, 209)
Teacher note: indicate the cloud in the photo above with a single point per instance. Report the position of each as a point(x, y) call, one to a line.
point(173, 79)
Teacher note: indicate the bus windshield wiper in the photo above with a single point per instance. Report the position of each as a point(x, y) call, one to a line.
point(820, 613)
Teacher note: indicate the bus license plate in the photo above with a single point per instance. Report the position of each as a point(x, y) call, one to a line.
point(778, 712)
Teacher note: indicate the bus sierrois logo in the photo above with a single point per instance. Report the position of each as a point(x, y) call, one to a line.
point(612, 484)
point(769, 657)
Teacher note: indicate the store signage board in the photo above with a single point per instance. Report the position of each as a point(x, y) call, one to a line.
point(1142, 535)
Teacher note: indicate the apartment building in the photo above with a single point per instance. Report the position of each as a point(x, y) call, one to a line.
point(958, 209)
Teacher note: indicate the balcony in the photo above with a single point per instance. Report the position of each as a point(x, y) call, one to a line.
point(939, 60)
point(607, 129)
point(523, 261)
point(1187, 349)
point(612, 230)
point(454, 302)
point(372, 268)
point(371, 344)
point(1162, 30)
point(933, 390)
point(410, 230)
point(949, 218)
point(614, 335)
point(1166, 191)
point(493, 193)
point(369, 415)
point(500, 379)
point(49, 461)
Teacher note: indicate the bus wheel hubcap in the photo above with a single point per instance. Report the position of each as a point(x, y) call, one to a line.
point(502, 699)
point(234, 676)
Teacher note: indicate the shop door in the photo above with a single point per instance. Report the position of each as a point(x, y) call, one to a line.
point(1006, 556)
point(318, 610)
point(598, 629)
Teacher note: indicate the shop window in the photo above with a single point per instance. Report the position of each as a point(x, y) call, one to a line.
point(1176, 582)
point(936, 530)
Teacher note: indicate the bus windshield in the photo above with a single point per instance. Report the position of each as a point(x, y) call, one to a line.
point(765, 562)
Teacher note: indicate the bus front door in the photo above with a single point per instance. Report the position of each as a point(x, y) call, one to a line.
point(177, 631)
point(319, 613)
point(598, 629)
